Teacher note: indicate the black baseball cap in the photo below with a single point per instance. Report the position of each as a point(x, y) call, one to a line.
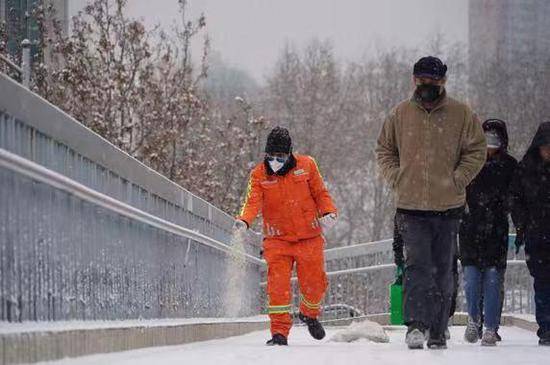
point(430, 67)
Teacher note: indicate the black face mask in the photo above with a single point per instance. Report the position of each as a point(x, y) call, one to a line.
point(428, 92)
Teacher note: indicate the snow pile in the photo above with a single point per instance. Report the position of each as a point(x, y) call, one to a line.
point(366, 329)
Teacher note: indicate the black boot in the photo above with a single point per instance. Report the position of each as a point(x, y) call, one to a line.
point(315, 328)
point(277, 340)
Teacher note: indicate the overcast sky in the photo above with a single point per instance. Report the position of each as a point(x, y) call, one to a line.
point(250, 33)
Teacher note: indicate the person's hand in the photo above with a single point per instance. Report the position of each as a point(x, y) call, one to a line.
point(520, 239)
point(328, 220)
point(240, 226)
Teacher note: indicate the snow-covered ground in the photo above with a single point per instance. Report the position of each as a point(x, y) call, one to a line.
point(518, 347)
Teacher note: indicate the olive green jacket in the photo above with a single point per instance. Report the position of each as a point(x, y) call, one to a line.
point(430, 157)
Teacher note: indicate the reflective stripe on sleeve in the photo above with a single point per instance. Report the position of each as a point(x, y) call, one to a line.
point(248, 192)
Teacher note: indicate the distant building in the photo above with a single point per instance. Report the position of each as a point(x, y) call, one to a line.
point(21, 24)
point(505, 31)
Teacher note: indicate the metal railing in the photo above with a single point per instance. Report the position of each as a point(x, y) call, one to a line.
point(26, 67)
point(87, 232)
point(40, 174)
point(360, 255)
point(34, 129)
point(360, 276)
point(367, 287)
point(10, 64)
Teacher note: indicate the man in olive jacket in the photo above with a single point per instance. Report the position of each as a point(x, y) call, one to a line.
point(430, 148)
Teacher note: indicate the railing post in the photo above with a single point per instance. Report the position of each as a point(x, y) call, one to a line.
point(26, 63)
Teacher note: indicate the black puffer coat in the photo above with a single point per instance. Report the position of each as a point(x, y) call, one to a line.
point(484, 227)
point(531, 198)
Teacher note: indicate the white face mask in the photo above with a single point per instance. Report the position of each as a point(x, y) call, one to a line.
point(276, 165)
point(493, 140)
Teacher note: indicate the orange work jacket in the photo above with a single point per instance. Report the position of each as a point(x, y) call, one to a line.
point(290, 204)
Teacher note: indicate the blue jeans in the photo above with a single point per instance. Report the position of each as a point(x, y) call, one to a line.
point(502, 273)
point(487, 282)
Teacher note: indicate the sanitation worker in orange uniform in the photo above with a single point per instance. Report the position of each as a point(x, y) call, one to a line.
point(289, 192)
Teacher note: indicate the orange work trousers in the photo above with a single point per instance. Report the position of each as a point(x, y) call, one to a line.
point(310, 268)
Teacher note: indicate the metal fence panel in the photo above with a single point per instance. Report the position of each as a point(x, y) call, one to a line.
point(360, 276)
point(63, 257)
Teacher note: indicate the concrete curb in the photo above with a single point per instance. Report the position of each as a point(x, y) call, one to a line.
point(382, 319)
point(30, 347)
point(459, 319)
point(510, 320)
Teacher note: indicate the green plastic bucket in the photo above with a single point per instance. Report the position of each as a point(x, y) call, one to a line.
point(396, 304)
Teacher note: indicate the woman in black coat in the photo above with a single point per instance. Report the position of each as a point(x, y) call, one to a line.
point(484, 234)
point(531, 215)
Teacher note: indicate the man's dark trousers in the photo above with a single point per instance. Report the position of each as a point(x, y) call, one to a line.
point(430, 242)
point(538, 260)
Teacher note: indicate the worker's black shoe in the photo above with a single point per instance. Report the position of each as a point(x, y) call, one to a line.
point(315, 328)
point(277, 340)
